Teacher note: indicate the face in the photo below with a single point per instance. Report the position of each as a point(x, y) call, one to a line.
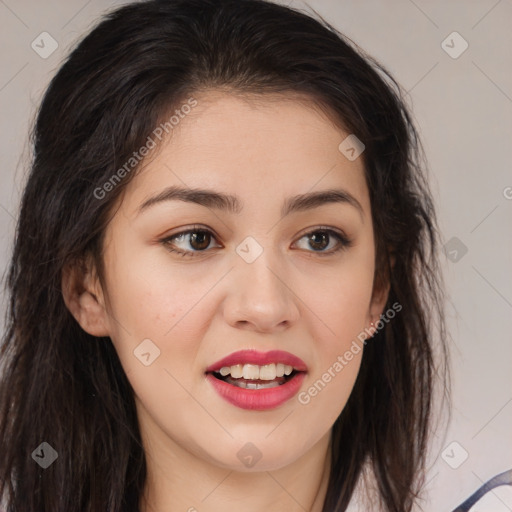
point(260, 283)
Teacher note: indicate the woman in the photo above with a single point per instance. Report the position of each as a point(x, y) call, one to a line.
point(224, 287)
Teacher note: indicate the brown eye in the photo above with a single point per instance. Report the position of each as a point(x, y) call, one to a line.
point(200, 240)
point(188, 243)
point(320, 239)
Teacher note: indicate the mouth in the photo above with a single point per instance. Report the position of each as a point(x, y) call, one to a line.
point(256, 380)
point(251, 376)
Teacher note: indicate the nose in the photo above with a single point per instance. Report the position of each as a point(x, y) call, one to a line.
point(260, 296)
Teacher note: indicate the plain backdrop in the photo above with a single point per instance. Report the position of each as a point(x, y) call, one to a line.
point(462, 102)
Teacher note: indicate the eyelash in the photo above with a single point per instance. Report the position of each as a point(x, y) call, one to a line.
point(344, 241)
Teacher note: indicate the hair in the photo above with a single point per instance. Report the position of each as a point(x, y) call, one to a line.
point(68, 388)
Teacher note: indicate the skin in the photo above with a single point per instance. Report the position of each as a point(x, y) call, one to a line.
point(200, 309)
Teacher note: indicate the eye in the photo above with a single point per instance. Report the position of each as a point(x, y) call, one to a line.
point(322, 237)
point(196, 238)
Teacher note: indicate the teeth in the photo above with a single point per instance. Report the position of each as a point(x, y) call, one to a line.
point(268, 372)
point(255, 385)
point(251, 371)
point(254, 372)
point(236, 371)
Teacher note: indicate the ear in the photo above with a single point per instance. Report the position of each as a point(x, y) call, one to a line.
point(380, 293)
point(84, 297)
point(378, 302)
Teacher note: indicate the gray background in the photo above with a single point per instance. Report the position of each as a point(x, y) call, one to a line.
point(463, 107)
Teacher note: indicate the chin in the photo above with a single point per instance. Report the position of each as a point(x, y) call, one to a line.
point(258, 455)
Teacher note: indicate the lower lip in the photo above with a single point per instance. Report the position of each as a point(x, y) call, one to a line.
point(257, 399)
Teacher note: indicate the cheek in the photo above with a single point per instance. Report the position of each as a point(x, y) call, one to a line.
point(343, 309)
point(338, 356)
point(342, 304)
point(325, 396)
point(151, 293)
point(154, 300)
point(156, 334)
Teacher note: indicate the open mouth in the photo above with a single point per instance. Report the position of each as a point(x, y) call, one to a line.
point(251, 376)
point(259, 381)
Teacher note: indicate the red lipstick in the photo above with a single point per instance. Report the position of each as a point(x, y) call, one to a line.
point(259, 358)
point(281, 388)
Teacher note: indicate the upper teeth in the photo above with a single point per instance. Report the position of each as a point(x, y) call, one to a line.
point(255, 372)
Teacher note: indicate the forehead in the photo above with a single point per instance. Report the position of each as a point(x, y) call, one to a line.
point(260, 148)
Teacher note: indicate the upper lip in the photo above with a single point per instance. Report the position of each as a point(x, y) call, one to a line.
point(260, 359)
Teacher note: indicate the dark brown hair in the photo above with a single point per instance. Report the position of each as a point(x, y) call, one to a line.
point(66, 387)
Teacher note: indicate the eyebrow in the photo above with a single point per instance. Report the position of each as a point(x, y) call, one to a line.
point(233, 205)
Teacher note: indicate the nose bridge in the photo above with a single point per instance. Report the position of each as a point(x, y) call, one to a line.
point(257, 267)
point(259, 294)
